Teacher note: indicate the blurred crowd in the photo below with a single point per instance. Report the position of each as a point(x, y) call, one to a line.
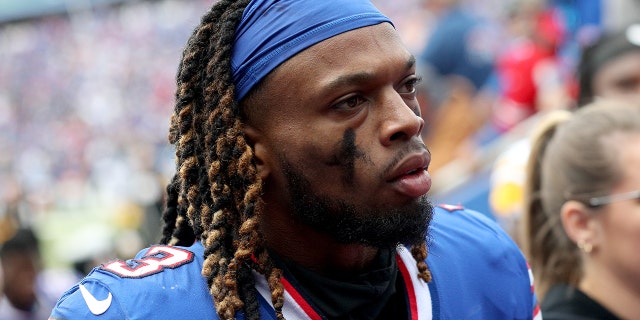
point(489, 70)
point(85, 100)
point(86, 96)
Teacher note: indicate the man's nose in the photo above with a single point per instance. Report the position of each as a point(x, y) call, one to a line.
point(399, 120)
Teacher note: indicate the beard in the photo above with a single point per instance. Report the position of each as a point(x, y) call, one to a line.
point(348, 223)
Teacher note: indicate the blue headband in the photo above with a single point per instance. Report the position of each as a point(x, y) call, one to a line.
point(272, 31)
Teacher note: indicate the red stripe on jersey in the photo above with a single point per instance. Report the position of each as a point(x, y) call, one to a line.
point(306, 307)
point(536, 312)
point(413, 306)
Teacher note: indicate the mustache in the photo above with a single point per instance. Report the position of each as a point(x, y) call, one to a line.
point(415, 146)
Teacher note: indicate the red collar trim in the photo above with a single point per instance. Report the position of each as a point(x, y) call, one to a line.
point(296, 307)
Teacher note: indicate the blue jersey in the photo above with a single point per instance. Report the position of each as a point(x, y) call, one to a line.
point(478, 273)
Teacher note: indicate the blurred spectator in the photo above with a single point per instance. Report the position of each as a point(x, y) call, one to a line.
point(609, 68)
point(21, 266)
point(530, 74)
point(582, 218)
point(456, 64)
point(462, 47)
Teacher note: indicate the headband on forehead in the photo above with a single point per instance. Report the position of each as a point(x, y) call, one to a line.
point(272, 31)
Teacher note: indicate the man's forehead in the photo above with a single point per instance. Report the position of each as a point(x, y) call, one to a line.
point(272, 31)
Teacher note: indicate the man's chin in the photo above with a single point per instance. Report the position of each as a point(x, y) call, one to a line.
point(407, 225)
point(357, 223)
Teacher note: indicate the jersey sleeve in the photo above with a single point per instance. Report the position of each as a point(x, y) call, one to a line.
point(90, 299)
point(161, 282)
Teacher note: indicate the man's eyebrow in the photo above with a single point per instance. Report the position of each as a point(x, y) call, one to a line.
point(348, 79)
point(359, 77)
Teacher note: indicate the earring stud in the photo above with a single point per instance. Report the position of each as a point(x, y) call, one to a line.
point(585, 246)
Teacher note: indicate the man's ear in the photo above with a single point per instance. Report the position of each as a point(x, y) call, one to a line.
point(260, 151)
point(577, 221)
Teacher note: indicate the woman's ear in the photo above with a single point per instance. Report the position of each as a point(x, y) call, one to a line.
point(577, 221)
point(260, 151)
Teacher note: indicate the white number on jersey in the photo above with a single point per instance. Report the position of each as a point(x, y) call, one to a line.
point(154, 261)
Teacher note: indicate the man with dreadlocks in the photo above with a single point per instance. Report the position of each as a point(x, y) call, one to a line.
point(301, 184)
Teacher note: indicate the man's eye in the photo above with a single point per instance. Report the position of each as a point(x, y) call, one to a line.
point(410, 86)
point(349, 103)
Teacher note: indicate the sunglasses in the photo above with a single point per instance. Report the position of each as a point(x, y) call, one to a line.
point(604, 200)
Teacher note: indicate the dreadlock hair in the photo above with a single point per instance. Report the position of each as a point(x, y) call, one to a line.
point(215, 194)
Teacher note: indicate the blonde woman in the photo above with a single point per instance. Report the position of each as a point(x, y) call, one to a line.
point(582, 220)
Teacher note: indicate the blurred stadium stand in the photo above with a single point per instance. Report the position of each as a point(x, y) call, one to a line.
point(15, 10)
point(467, 182)
point(86, 92)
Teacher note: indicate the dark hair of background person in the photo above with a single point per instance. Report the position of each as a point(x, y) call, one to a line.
point(570, 160)
point(20, 257)
point(215, 195)
point(594, 57)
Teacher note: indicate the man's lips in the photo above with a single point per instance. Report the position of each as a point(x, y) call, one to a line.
point(410, 177)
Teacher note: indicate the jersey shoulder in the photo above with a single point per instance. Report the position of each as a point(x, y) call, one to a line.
point(477, 269)
point(457, 232)
point(153, 285)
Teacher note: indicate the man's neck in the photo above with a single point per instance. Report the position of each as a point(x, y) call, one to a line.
point(370, 294)
point(317, 251)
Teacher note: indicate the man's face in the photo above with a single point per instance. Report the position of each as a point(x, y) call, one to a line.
point(340, 126)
